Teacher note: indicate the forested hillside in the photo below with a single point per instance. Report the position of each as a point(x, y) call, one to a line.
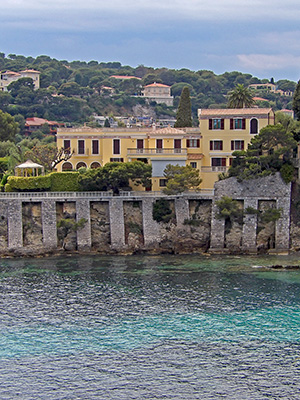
point(75, 91)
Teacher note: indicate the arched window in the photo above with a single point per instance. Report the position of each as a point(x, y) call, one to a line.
point(67, 166)
point(81, 164)
point(95, 164)
point(254, 126)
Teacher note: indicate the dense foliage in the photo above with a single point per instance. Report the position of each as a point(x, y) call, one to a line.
point(162, 211)
point(181, 179)
point(74, 91)
point(115, 176)
point(269, 151)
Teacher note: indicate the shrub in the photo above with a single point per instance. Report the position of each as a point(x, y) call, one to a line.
point(64, 182)
point(287, 172)
point(162, 211)
point(28, 184)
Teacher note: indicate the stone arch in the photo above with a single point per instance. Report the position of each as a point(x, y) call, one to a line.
point(95, 164)
point(67, 166)
point(254, 126)
point(81, 164)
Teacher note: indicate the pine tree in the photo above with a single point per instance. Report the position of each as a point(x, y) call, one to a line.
point(296, 101)
point(184, 113)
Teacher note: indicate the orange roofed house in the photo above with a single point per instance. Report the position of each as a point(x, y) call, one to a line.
point(34, 123)
point(10, 76)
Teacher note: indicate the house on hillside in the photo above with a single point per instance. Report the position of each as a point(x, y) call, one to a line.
point(158, 92)
point(34, 123)
point(10, 76)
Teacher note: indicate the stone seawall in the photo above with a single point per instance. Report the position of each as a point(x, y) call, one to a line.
point(125, 225)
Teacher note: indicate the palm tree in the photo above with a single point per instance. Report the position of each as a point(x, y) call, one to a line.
point(240, 97)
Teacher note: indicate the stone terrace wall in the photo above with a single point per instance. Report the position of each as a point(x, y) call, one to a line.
point(251, 192)
point(113, 228)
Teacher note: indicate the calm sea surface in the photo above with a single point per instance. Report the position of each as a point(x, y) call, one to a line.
point(167, 327)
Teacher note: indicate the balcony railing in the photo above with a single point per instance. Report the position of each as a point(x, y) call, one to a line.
point(214, 169)
point(149, 152)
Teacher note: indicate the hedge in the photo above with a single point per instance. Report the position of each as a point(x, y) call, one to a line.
point(28, 184)
point(64, 182)
point(54, 182)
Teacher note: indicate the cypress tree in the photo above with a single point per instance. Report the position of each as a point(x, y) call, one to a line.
point(184, 113)
point(296, 101)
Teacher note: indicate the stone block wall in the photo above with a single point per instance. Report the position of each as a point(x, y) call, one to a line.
point(126, 225)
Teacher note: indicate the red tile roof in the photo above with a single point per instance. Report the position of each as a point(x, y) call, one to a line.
point(124, 77)
point(157, 85)
point(233, 111)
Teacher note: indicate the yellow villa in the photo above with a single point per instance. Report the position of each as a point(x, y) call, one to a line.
point(96, 147)
point(224, 131)
point(209, 149)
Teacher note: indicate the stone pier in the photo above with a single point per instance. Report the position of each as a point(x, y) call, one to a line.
point(49, 223)
point(182, 211)
point(15, 226)
point(250, 226)
point(150, 227)
point(84, 237)
point(117, 226)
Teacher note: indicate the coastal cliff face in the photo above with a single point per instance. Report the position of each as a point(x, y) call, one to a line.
point(126, 225)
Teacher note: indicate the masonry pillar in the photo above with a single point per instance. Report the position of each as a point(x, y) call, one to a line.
point(250, 227)
point(217, 235)
point(150, 227)
point(15, 226)
point(49, 223)
point(117, 226)
point(282, 228)
point(181, 210)
point(84, 237)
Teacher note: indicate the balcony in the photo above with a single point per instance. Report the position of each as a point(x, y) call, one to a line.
point(214, 169)
point(158, 152)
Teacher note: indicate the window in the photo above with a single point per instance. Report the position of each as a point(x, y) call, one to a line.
point(159, 145)
point(116, 159)
point(216, 145)
point(216, 123)
point(163, 182)
point(193, 164)
point(218, 162)
point(254, 126)
point(67, 146)
point(140, 145)
point(81, 164)
point(116, 146)
point(193, 143)
point(177, 145)
point(95, 146)
point(237, 123)
point(80, 146)
point(237, 145)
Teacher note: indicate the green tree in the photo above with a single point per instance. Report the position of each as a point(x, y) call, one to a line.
point(8, 127)
point(240, 97)
point(296, 101)
point(115, 176)
point(268, 152)
point(181, 179)
point(184, 113)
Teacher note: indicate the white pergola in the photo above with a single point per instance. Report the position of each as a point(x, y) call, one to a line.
point(29, 168)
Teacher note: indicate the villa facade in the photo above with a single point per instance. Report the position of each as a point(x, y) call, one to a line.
point(208, 148)
point(158, 92)
point(8, 77)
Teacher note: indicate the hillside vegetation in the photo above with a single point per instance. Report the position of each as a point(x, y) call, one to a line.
point(75, 91)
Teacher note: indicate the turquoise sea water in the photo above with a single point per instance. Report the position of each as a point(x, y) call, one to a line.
point(163, 327)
